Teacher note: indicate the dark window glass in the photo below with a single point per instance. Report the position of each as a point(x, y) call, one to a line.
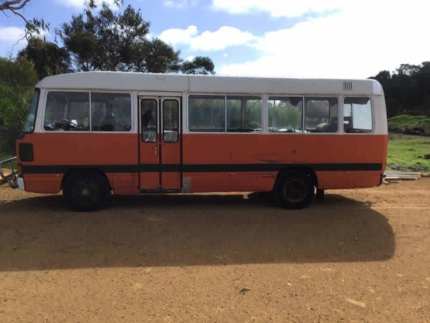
point(243, 114)
point(149, 120)
point(286, 114)
point(170, 120)
point(31, 113)
point(206, 114)
point(110, 112)
point(67, 111)
point(321, 115)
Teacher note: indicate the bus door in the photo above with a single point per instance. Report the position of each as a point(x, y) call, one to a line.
point(160, 141)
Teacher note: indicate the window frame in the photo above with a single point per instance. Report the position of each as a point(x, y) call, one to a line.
point(207, 96)
point(239, 97)
point(68, 131)
point(225, 96)
point(157, 123)
point(280, 97)
point(43, 103)
point(372, 113)
point(339, 110)
point(265, 97)
point(110, 92)
point(37, 91)
point(163, 129)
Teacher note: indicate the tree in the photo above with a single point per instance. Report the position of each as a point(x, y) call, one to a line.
point(199, 65)
point(118, 41)
point(47, 57)
point(17, 80)
point(407, 89)
point(104, 40)
point(408, 70)
point(154, 56)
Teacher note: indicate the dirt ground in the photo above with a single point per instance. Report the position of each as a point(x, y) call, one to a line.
point(358, 256)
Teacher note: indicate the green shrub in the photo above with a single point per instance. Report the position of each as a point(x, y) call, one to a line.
point(17, 80)
point(410, 124)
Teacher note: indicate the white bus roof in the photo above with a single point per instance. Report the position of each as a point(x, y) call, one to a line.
point(131, 81)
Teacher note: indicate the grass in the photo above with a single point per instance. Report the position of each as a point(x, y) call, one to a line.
point(407, 152)
point(405, 123)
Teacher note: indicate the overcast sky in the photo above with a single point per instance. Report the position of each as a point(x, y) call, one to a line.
point(290, 38)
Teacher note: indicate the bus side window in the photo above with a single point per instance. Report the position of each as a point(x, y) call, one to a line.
point(67, 111)
point(357, 115)
point(243, 114)
point(206, 113)
point(321, 115)
point(286, 114)
point(110, 112)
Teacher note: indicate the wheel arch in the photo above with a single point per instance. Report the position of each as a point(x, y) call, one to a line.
point(84, 170)
point(295, 169)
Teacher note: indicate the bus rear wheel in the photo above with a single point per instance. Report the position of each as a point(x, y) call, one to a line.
point(86, 191)
point(296, 190)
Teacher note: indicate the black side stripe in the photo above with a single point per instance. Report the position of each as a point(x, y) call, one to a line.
point(198, 168)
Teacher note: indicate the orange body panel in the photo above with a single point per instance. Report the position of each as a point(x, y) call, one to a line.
point(170, 154)
point(122, 149)
point(283, 149)
point(43, 183)
point(149, 153)
point(269, 148)
point(81, 150)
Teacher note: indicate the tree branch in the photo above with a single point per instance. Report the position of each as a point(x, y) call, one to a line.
point(20, 15)
point(13, 5)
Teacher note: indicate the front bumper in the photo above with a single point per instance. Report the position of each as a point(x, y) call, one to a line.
point(20, 183)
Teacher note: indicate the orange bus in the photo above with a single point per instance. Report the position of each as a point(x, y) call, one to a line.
point(94, 134)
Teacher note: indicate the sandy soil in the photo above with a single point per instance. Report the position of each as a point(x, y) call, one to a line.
point(358, 256)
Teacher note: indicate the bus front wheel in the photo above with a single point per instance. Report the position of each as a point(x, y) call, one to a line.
point(86, 191)
point(296, 190)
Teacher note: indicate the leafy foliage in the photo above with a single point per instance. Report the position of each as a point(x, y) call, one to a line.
point(118, 41)
point(199, 65)
point(17, 79)
point(104, 40)
point(154, 56)
point(410, 124)
point(407, 90)
point(48, 58)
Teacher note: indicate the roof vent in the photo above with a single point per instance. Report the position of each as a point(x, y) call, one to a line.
point(347, 86)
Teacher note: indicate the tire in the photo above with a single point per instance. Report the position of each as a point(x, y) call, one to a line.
point(296, 190)
point(86, 191)
point(320, 195)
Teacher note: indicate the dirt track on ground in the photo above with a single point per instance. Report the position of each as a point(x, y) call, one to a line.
point(359, 256)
